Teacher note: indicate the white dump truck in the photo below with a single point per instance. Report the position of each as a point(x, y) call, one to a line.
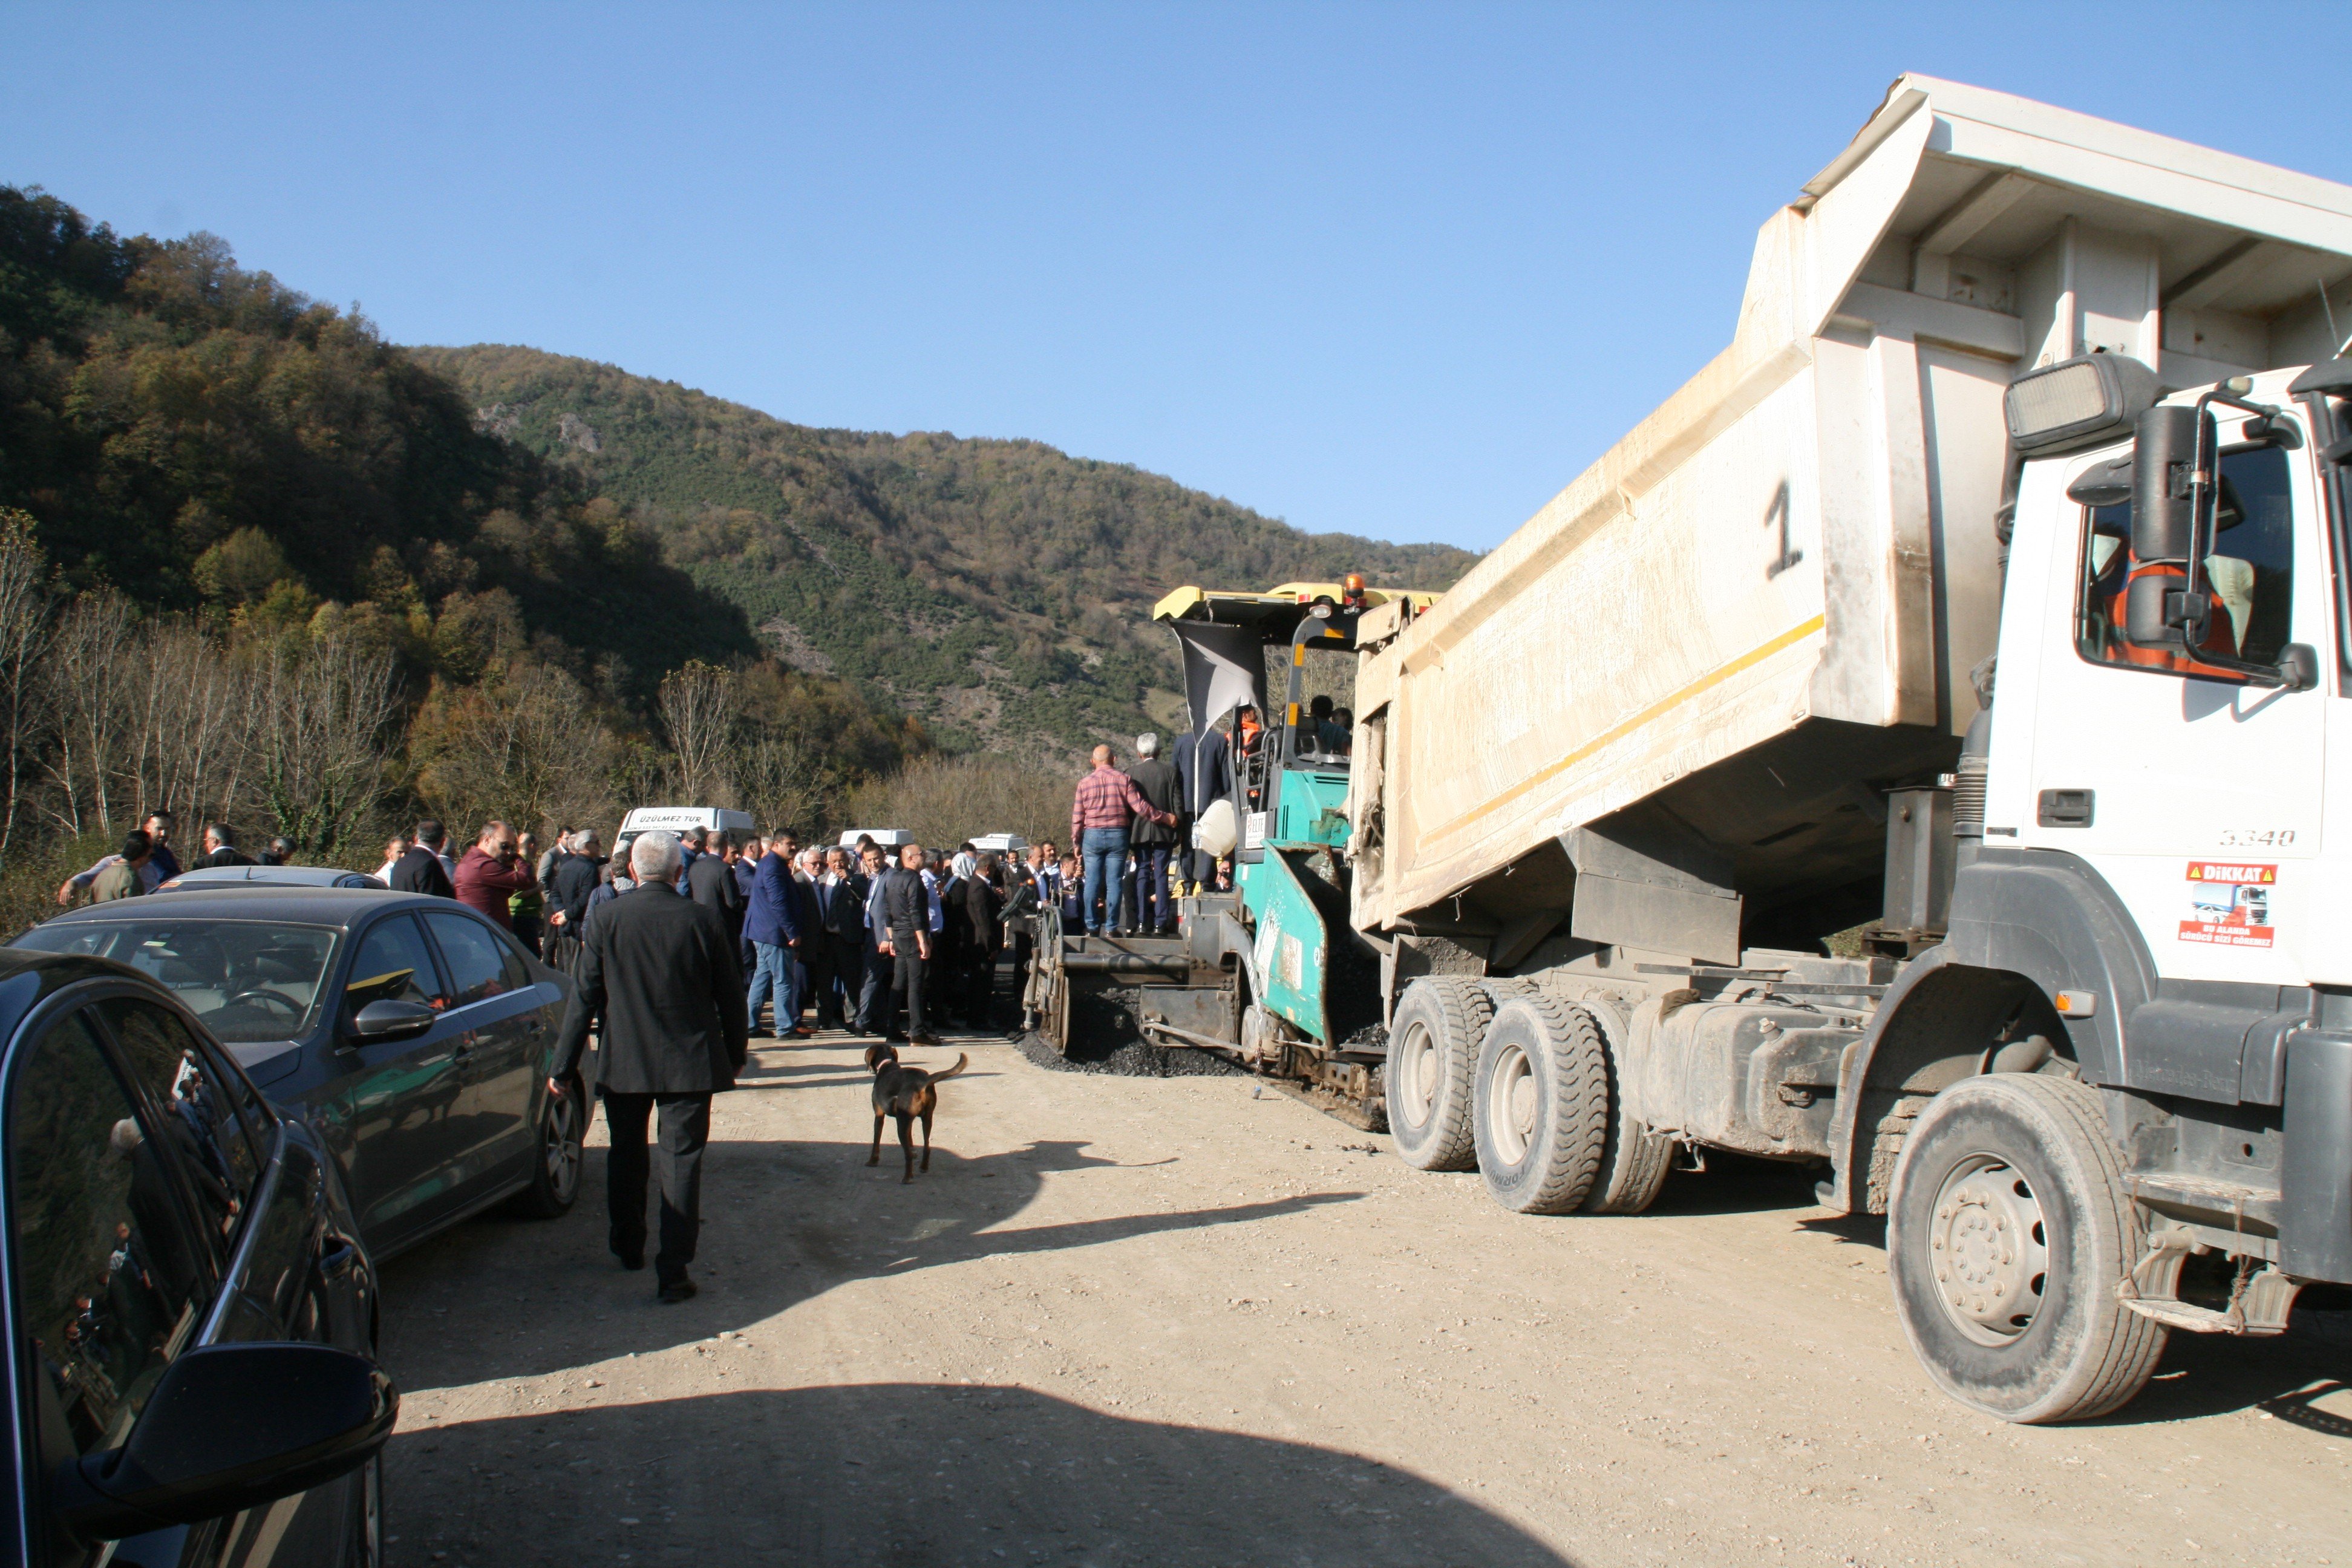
point(1983, 613)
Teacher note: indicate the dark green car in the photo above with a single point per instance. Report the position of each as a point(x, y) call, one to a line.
point(411, 1035)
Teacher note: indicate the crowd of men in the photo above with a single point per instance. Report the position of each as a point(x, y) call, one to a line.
point(146, 861)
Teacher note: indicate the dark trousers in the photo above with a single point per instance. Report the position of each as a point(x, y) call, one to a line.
point(816, 962)
point(1154, 909)
point(979, 986)
point(677, 1160)
point(906, 981)
point(873, 991)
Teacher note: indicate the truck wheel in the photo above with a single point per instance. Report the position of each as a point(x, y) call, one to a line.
point(2007, 1233)
point(1432, 1046)
point(1633, 1160)
point(1541, 1105)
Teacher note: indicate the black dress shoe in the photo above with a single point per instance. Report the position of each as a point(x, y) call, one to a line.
point(632, 1260)
point(679, 1290)
point(925, 1038)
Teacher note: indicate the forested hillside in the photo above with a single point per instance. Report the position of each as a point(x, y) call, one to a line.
point(257, 564)
point(999, 588)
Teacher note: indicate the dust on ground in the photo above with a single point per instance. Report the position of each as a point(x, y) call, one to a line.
point(1145, 1320)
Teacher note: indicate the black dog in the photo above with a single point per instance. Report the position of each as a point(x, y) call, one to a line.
point(906, 1093)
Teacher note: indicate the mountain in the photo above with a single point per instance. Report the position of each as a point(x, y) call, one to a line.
point(1000, 589)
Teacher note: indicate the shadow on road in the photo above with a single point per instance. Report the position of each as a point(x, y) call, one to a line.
point(781, 1222)
point(915, 1474)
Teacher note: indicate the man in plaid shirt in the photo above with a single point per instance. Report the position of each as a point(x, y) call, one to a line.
point(1106, 802)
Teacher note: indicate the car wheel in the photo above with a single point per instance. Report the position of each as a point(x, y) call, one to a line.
point(555, 1163)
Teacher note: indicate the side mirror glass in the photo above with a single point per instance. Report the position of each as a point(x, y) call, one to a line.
point(391, 1020)
point(230, 1427)
point(2164, 455)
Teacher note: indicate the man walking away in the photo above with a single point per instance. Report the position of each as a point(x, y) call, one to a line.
point(660, 971)
point(1106, 802)
point(710, 882)
point(422, 870)
point(278, 851)
point(491, 875)
point(1154, 840)
point(121, 879)
point(907, 937)
point(773, 924)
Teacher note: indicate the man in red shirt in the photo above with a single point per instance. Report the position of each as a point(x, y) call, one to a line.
point(491, 873)
point(1106, 802)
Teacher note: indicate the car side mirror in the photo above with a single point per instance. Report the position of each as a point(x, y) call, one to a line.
point(2298, 667)
point(230, 1427)
point(391, 1020)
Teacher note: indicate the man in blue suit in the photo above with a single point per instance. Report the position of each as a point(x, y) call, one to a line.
point(775, 928)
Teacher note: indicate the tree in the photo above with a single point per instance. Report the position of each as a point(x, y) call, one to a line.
point(699, 710)
point(27, 603)
point(320, 717)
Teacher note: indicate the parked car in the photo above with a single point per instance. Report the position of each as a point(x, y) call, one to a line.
point(192, 1309)
point(272, 876)
point(410, 1034)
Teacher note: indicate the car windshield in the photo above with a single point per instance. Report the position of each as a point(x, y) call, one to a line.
point(247, 981)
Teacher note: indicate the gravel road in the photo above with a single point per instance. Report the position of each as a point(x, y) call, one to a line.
point(1173, 1321)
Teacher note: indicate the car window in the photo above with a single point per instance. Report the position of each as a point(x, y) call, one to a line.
point(164, 1055)
point(106, 1278)
point(246, 981)
point(394, 965)
point(477, 960)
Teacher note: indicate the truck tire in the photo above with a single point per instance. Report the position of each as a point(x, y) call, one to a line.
point(1433, 1046)
point(1541, 1105)
point(2008, 1234)
point(1633, 1160)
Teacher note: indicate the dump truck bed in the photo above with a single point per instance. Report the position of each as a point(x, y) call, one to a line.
point(1761, 608)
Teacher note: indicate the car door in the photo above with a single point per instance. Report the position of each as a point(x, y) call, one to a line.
point(108, 1266)
point(262, 1207)
point(391, 1106)
point(493, 997)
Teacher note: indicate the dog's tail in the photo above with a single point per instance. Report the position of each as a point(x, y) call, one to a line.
point(963, 1061)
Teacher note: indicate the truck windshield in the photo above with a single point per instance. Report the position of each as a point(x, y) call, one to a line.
point(246, 981)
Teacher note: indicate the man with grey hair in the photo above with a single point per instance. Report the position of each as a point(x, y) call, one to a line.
point(660, 971)
point(1153, 840)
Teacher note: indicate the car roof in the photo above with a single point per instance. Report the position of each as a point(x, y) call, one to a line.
point(253, 901)
point(290, 876)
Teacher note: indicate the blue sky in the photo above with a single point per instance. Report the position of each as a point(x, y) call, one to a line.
point(1401, 270)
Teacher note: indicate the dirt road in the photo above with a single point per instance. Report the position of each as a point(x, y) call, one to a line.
point(1146, 1322)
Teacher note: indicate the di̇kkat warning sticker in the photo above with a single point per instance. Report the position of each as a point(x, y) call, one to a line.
point(2230, 904)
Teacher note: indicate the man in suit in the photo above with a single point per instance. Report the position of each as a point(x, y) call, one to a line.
point(842, 915)
point(660, 971)
point(773, 924)
point(710, 882)
point(1205, 776)
point(1153, 841)
point(906, 937)
point(423, 869)
point(874, 1009)
point(220, 847)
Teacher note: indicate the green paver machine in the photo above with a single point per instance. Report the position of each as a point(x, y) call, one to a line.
point(1271, 973)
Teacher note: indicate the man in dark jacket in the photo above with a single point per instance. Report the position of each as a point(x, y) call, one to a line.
point(710, 882)
point(1154, 840)
point(421, 870)
point(491, 873)
point(220, 847)
point(660, 971)
point(981, 915)
point(773, 924)
point(906, 937)
point(1201, 767)
point(571, 883)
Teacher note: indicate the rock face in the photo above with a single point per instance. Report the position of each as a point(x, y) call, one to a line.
point(576, 433)
point(499, 419)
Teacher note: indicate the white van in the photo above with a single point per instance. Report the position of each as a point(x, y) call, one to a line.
point(999, 843)
point(886, 838)
point(677, 819)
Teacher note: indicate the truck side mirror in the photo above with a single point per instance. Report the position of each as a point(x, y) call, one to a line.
point(2164, 500)
point(2298, 667)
